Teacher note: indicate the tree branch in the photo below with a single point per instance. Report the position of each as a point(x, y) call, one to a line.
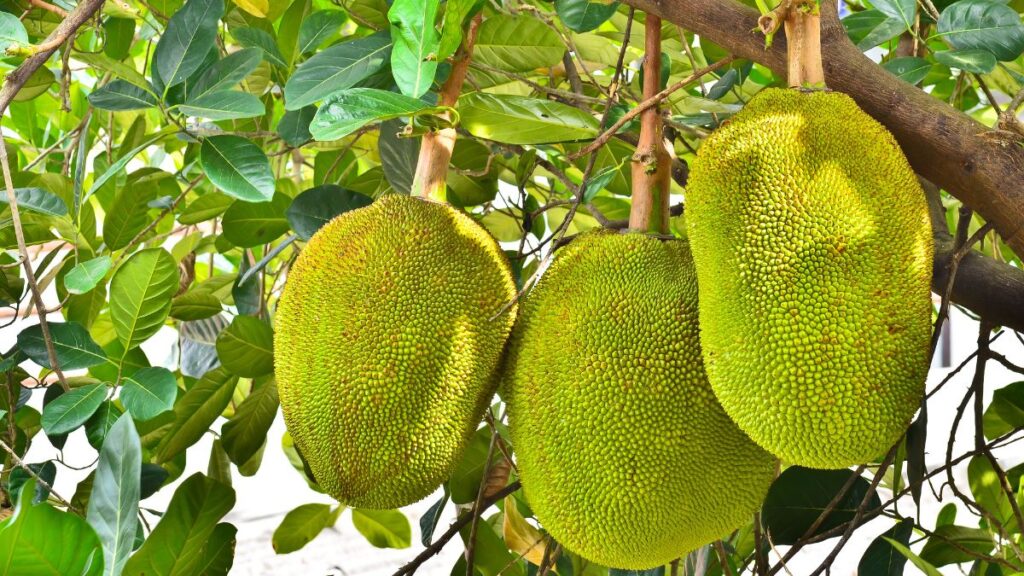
point(17, 78)
point(979, 166)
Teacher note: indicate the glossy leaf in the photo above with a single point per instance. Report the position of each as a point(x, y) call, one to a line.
point(114, 500)
point(226, 73)
point(383, 528)
point(909, 69)
point(869, 28)
point(140, 295)
point(799, 495)
point(521, 120)
point(250, 224)
point(38, 540)
point(149, 391)
point(938, 550)
point(337, 68)
point(976, 61)
point(86, 275)
point(185, 43)
point(319, 27)
point(881, 558)
point(121, 95)
point(301, 525)
point(318, 206)
point(903, 10)
point(196, 411)
point(246, 347)
point(294, 125)
point(38, 200)
point(349, 110)
point(416, 42)
point(237, 167)
point(983, 25)
point(12, 32)
point(517, 43)
point(245, 433)
point(223, 105)
point(916, 560)
point(71, 409)
point(195, 305)
point(584, 15)
point(256, 38)
point(73, 346)
point(185, 541)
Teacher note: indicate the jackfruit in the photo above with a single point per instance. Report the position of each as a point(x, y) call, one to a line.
point(387, 344)
point(625, 456)
point(813, 249)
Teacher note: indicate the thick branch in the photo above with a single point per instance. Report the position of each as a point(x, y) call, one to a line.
point(430, 180)
point(650, 164)
point(16, 79)
point(972, 162)
point(983, 285)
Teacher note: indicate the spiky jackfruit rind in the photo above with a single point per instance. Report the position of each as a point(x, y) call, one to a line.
point(387, 345)
point(814, 256)
point(625, 456)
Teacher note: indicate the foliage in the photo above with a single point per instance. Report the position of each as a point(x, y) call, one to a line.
point(170, 161)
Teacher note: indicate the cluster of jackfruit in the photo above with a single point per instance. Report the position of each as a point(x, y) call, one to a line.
point(644, 425)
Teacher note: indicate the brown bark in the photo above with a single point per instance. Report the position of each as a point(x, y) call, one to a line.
point(436, 148)
point(803, 30)
point(977, 165)
point(651, 164)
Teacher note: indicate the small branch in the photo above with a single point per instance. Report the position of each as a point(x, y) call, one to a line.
point(49, 7)
point(21, 464)
point(650, 164)
point(605, 136)
point(459, 524)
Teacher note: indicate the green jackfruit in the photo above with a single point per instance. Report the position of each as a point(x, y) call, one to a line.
point(625, 456)
point(814, 255)
point(387, 345)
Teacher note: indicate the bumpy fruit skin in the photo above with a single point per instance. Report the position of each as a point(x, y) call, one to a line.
point(385, 347)
point(625, 456)
point(814, 257)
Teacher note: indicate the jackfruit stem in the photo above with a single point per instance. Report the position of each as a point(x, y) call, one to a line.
point(803, 44)
point(652, 163)
point(430, 179)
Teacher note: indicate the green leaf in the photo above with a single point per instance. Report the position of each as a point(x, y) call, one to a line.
point(219, 553)
point(398, 156)
point(1006, 410)
point(598, 181)
point(869, 28)
point(799, 495)
point(455, 12)
point(38, 540)
point(430, 519)
point(256, 38)
point(196, 411)
point(121, 95)
point(302, 524)
point(318, 206)
point(521, 120)
point(71, 409)
point(121, 70)
point(416, 42)
point(976, 61)
point(227, 72)
point(237, 167)
point(294, 126)
point(939, 552)
point(248, 224)
point(74, 347)
point(38, 200)
point(195, 305)
point(319, 27)
point(187, 538)
point(121, 162)
point(204, 208)
point(517, 43)
point(988, 491)
point(245, 433)
point(86, 275)
point(337, 68)
point(881, 559)
point(223, 105)
point(908, 68)
point(347, 111)
point(97, 426)
point(903, 10)
point(140, 295)
point(129, 215)
point(383, 528)
point(916, 560)
point(148, 392)
point(183, 46)
point(246, 347)
point(12, 32)
point(987, 25)
point(114, 500)
point(582, 15)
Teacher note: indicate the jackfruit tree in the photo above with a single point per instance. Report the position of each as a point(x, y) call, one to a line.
point(574, 287)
